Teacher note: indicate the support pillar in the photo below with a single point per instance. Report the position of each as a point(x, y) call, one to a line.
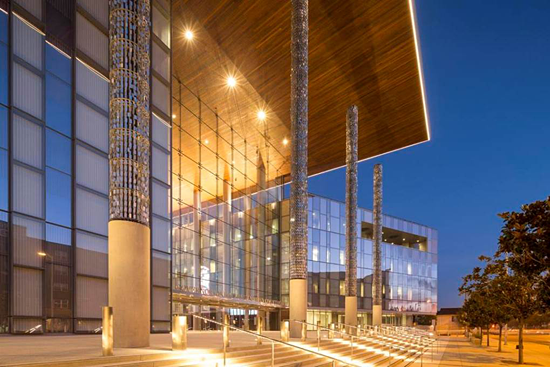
point(227, 229)
point(129, 151)
point(351, 218)
point(298, 165)
point(377, 248)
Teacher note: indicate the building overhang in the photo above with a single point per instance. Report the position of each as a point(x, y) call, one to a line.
point(362, 52)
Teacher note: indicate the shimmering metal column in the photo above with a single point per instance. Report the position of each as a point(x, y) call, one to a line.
point(376, 246)
point(129, 35)
point(351, 201)
point(298, 164)
point(129, 145)
point(299, 128)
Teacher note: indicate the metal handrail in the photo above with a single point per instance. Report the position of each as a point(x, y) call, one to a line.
point(272, 343)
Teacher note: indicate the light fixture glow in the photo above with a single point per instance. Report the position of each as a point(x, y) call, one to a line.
point(206, 141)
point(189, 35)
point(285, 141)
point(261, 115)
point(40, 253)
point(173, 116)
point(231, 81)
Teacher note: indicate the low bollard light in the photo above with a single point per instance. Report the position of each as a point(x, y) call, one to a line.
point(260, 329)
point(331, 331)
point(107, 332)
point(226, 330)
point(179, 333)
point(285, 331)
point(304, 332)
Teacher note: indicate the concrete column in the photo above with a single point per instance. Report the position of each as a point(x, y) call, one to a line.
point(377, 248)
point(351, 217)
point(129, 150)
point(298, 165)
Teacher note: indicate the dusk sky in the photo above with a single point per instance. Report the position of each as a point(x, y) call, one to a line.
point(487, 74)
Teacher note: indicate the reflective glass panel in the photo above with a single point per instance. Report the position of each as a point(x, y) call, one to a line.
point(58, 104)
point(3, 73)
point(58, 197)
point(3, 27)
point(58, 64)
point(58, 151)
point(3, 179)
point(3, 127)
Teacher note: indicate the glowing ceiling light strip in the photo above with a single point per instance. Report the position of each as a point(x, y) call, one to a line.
point(94, 70)
point(28, 23)
point(59, 50)
point(419, 63)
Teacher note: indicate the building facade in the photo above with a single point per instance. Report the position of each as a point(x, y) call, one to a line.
point(219, 215)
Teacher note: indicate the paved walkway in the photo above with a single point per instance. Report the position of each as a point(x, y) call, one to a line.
point(459, 351)
point(41, 348)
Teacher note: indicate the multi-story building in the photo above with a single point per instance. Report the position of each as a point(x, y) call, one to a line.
point(217, 164)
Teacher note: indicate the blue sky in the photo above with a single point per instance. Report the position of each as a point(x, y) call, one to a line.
point(487, 74)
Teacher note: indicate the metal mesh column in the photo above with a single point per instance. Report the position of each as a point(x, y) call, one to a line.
point(376, 247)
point(298, 164)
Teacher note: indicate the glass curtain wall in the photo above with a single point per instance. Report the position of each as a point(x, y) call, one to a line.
point(225, 205)
point(409, 273)
point(54, 172)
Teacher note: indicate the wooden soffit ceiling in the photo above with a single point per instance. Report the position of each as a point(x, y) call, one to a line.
point(361, 52)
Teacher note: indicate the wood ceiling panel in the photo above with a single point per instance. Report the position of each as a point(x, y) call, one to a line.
point(361, 52)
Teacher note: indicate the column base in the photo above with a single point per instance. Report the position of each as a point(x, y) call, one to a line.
point(351, 314)
point(377, 315)
point(129, 283)
point(297, 306)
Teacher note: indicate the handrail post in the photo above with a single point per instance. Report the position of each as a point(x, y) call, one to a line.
point(304, 332)
point(179, 332)
point(331, 331)
point(351, 345)
point(285, 331)
point(260, 329)
point(318, 335)
point(272, 353)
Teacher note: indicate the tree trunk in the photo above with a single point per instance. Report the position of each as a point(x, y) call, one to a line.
point(488, 333)
point(500, 338)
point(481, 337)
point(520, 342)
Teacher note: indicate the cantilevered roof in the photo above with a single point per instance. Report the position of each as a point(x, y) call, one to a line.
point(361, 52)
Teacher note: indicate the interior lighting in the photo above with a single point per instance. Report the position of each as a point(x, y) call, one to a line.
point(261, 115)
point(231, 81)
point(173, 116)
point(206, 141)
point(189, 35)
point(285, 141)
point(43, 254)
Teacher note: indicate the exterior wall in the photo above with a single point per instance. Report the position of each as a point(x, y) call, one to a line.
point(226, 207)
point(409, 274)
point(54, 85)
point(448, 324)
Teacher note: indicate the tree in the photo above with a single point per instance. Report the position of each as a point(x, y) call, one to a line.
point(519, 294)
point(473, 313)
point(525, 242)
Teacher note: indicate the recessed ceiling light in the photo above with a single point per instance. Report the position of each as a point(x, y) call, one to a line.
point(189, 35)
point(231, 81)
point(173, 116)
point(261, 115)
point(206, 141)
point(285, 141)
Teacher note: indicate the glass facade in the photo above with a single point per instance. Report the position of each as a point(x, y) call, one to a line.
point(219, 216)
point(54, 110)
point(409, 263)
